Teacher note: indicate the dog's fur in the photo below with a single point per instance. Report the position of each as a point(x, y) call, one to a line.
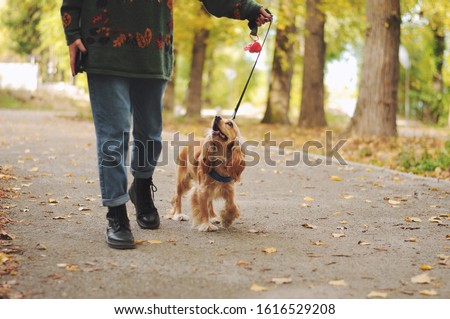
point(221, 151)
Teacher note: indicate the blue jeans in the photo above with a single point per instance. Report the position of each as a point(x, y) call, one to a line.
point(116, 103)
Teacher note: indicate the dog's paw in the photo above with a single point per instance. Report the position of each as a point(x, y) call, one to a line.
point(180, 217)
point(207, 227)
point(215, 220)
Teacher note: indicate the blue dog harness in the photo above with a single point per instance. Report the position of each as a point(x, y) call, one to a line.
point(216, 176)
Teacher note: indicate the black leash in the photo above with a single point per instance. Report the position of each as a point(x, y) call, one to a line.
point(251, 72)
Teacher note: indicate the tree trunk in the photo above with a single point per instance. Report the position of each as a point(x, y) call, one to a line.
point(312, 111)
point(278, 103)
point(194, 94)
point(376, 108)
point(438, 78)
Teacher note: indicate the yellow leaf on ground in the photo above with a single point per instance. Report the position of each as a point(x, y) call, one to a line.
point(243, 263)
point(394, 202)
point(421, 279)
point(256, 287)
point(337, 283)
point(411, 240)
point(376, 294)
point(154, 242)
point(426, 267)
point(348, 196)
point(34, 169)
point(309, 226)
point(413, 219)
point(317, 243)
point(336, 178)
point(52, 201)
point(280, 281)
point(337, 235)
point(139, 241)
point(363, 243)
point(270, 250)
point(308, 199)
point(427, 292)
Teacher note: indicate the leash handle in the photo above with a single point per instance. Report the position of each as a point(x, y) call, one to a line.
point(251, 72)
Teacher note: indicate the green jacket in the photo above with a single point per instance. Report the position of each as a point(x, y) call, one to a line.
point(134, 38)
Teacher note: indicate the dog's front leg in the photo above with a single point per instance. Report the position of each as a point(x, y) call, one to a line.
point(231, 211)
point(200, 212)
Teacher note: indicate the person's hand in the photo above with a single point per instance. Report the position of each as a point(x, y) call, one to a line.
point(263, 17)
point(74, 47)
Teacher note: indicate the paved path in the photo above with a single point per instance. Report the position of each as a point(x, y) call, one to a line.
point(298, 211)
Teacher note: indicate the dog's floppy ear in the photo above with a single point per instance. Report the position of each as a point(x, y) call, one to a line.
point(206, 157)
point(236, 165)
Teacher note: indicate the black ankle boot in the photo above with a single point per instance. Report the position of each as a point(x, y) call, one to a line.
point(141, 194)
point(118, 233)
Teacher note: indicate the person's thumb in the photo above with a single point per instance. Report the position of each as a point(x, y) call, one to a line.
point(81, 46)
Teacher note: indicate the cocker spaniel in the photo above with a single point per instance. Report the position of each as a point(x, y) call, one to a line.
point(215, 166)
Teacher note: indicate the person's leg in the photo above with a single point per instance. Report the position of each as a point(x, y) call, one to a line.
point(111, 107)
point(146, 101)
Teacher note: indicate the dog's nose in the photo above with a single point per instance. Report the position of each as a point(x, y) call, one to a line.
point(218, 118)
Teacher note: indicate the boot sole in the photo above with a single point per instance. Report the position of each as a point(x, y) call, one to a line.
point(118, 245)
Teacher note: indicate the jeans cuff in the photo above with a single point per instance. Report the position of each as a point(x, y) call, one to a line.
point(116, 201)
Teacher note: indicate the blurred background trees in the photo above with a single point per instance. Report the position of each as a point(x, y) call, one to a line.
point(289, 86)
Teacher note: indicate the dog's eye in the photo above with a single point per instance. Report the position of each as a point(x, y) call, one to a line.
point(230, 124)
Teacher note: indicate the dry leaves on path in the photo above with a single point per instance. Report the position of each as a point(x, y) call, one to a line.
point(269, 250)
point(258, 288)
point(376, 294)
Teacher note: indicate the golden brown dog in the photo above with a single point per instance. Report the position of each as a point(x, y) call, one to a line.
point(215, 166)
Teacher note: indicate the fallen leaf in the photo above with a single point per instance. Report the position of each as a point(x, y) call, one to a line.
point(41, 247)
point(72, 268)
point(83, 209)
point(435, 219)
point(447, 237)
point(393, 202)
point(269, 250)
point(280, 281)
point(336, 235)
point(363, 243)
point(410, 240)
point(426, 267)
point(421, 279)
point(376, 294)
point(34, 169)
point(317, 243)
point(243, 263)
point(52, 201)
point(308, 199)
point(256, 287)
point(154, 242)
point(427, 292)
point(337, 283)
point(413, 219)
point(348, 196)
point(336, 178)
point(343, 222)
point(309, 226)
point(59, 217)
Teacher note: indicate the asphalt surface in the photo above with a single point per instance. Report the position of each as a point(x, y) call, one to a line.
point(329, 231)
